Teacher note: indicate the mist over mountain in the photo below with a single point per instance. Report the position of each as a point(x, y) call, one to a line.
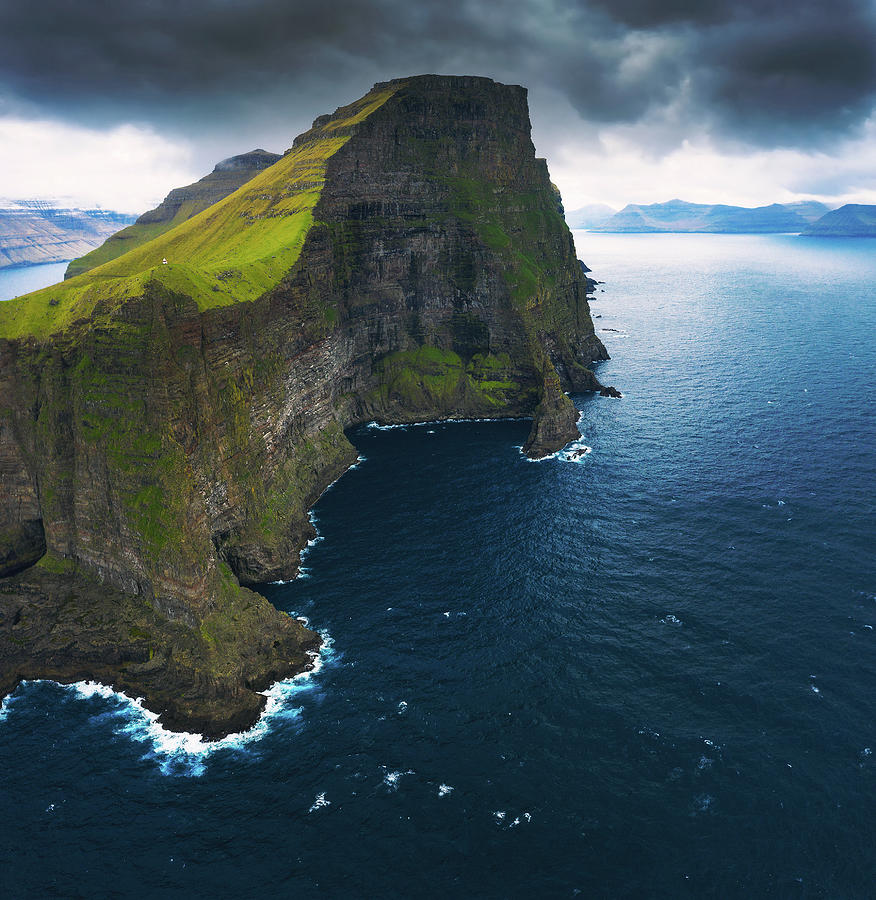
point(590, 216)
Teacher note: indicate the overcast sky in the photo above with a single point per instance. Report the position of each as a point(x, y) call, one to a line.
point(738, 101)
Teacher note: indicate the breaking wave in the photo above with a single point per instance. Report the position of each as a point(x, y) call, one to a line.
point(185, 753)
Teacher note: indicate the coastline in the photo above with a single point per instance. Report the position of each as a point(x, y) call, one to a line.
point(143, 724)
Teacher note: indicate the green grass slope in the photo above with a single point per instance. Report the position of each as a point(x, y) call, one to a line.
point(231, 252)
point(178, 206)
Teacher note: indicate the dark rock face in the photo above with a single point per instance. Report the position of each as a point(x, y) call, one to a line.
point(68, 628)
point(166, 455)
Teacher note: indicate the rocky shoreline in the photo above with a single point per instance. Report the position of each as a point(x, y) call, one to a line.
point(68, 628)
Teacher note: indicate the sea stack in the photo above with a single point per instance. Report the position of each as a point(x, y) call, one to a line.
point(164, 428)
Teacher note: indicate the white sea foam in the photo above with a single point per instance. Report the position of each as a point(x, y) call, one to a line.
point(671, 620)
point(402, 707)
point(392, 778)
point(575, 452)
point(502, 818)
point(304, 572)
point(375, 426)
point(186, 753)
point(539, 459)
point(319, 803)
point(444, 790)
point(703, 802)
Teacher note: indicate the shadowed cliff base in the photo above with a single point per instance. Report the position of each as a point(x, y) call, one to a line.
point(164, 427)
point(65, 626)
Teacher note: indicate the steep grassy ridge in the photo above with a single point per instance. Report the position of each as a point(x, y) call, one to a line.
point(231, 252)
point(178, 206)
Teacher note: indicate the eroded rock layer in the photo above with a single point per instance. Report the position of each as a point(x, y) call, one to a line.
point(161, 444)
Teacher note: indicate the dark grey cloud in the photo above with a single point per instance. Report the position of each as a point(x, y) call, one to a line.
point(759, 71)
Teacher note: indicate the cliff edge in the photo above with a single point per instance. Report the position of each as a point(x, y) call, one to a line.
point(179, 205)
point(165, 426)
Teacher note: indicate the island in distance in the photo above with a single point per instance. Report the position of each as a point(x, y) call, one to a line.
point(679, 216)
point(851, 220)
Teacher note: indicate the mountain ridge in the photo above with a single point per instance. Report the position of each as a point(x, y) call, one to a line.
point(851, 220)
point(680, 216)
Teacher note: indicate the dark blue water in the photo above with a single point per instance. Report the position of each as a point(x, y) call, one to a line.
point(19, 280)
point(648, 674)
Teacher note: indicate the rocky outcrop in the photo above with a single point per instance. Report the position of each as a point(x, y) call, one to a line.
point(62, 624)
point(33, 232)
point(178, 206)
point(167, 427)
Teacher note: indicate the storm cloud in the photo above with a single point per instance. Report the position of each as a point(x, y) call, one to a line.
point(758, 74)
point(761, 70)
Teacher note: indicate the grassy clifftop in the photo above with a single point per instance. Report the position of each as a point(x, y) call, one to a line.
point(231, 252)
point(179, 205)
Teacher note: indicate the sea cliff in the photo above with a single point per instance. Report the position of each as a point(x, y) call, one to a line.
point(164, 428)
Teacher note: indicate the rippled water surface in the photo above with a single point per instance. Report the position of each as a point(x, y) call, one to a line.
point(647, 673)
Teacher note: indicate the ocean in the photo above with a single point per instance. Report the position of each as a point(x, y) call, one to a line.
point(18, 280)
point(647, 672)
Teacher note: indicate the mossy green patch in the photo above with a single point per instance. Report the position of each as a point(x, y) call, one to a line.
point(120, 243)
point(57, 565)
point(512, 229)
point(429, 378)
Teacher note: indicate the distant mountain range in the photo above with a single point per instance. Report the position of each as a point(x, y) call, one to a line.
point(680, 216)
point(38, 231)
point(807, 217)
point(851, 220)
